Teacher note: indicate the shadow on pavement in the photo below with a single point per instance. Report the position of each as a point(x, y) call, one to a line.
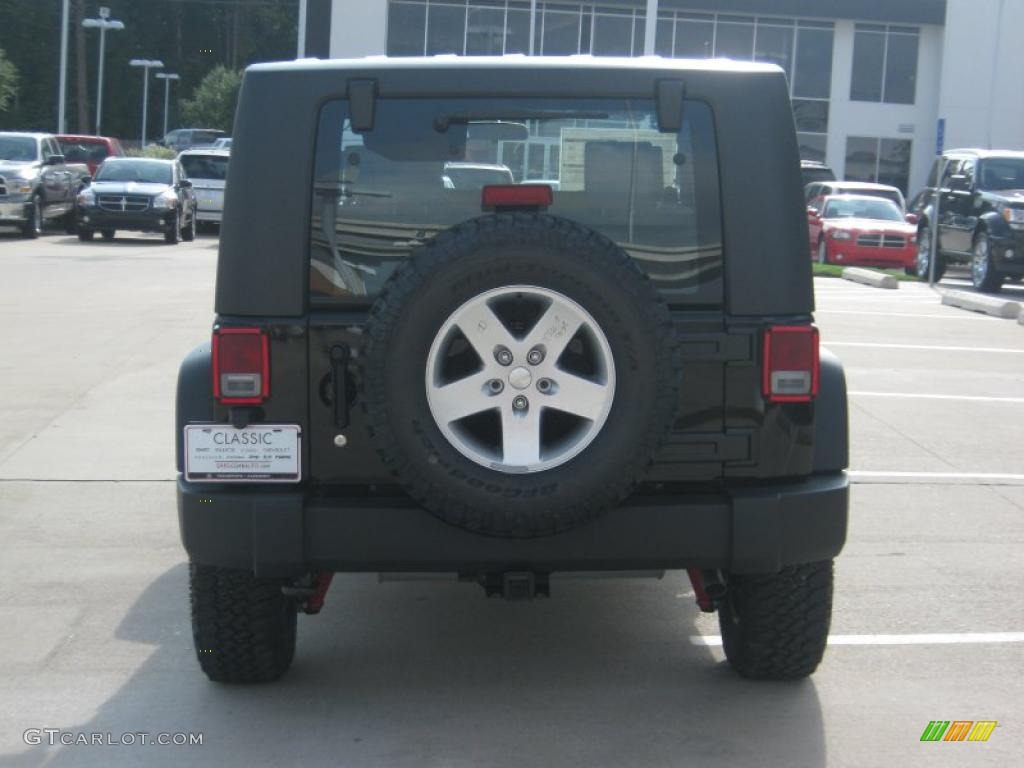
point(432, 673)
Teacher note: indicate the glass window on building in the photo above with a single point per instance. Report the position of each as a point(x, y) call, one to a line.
point(407, 26)
point(774, 44)
point(446, 29)
point(613, 33)
point(734, 38)
point(812, 76)
point(695, 36)
point(485, 31)
point(558, 32)
point(885, 64)
point(883, 161)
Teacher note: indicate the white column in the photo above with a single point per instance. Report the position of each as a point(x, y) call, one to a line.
point(358, 28)
point(300, 50)
point(650, 27)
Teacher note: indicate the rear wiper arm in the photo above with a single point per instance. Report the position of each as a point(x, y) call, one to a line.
point(442, 122)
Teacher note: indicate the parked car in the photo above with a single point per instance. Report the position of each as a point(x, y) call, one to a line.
point(475, 176)
point(36, 184)
point(981, 216)
point(812, 170)
point(141, 195)
point(222, 143)
point(207, 169)
point(817, 191)
point(862, 230)
point(186, 138)
point(499, 386)
point(89, 150)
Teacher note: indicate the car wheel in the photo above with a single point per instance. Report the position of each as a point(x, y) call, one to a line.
point(189, 233)
point(822, 252)
point(520, 375)
point(33, 227)
point(983, 272)
point(243, 627)
point(85, 235)
point(108, 234)
point(173, 235)
point(71, 222)
point(924, 257)
point(776, 627)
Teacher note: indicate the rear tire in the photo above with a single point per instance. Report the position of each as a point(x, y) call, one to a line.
point(822, 252)
point(108, 234)
point(924, 239)
point(86, 235)
point(188, 234)
point(776, 627)
point(173, 235)
point(71, 222)
point(984, 276)
point(33, 227)
point(244, 628)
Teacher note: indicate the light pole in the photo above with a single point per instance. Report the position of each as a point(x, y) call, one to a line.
point(62, 90)
point(167, 91)
point(146, 64)
point(103, 23)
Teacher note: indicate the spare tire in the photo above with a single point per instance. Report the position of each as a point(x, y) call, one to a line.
point(520, 375)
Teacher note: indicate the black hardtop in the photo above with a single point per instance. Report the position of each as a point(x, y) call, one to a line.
point(263, 264)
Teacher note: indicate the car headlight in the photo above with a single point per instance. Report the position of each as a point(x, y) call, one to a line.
point(165, 201)
point(840, 234)
point(1013, 216)
point(86, 197)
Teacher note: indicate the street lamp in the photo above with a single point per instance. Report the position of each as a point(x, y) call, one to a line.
point(103, 23)
point(146, 64)
point(167, 91)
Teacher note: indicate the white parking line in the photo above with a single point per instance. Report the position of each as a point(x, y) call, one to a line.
point(859, 476)
point(875, 345)
point(919, 396)
point(900, 314)
point(972, 638)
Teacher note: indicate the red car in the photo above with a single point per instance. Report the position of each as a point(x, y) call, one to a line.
point(90, 150)
point(858, 230)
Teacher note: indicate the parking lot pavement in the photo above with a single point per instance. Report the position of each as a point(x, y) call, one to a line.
point(94, 633)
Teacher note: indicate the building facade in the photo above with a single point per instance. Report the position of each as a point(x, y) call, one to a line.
point(878, 86)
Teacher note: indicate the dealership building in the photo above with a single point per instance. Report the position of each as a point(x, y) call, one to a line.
point(878, 86)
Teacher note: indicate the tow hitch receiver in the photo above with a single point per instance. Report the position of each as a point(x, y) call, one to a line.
point(708, 588)
point(516, 585)
point(311, 591)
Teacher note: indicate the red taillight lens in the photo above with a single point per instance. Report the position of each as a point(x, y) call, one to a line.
point(791, 363)
point(241, 366)
point(516, 196)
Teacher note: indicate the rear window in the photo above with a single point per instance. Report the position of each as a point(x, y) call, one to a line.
point(212, 167)
point(381, 194)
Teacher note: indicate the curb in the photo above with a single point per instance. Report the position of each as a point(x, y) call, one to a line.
point(870, 277)
point(988, 305)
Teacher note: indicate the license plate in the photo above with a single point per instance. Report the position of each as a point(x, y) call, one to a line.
point(261, 453)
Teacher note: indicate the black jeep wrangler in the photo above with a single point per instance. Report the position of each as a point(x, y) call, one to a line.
point(980, 216)
point(608, 364)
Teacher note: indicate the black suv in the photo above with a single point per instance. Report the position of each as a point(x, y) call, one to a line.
point(981, 216)
point(605, 363)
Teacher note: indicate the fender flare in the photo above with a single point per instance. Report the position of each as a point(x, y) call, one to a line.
point(831, 417)
point(194, 400)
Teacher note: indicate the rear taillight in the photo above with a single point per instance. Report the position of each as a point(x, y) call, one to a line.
point(241, 366)
point(791, 363)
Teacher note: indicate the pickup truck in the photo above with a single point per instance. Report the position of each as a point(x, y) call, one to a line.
point(36, 184)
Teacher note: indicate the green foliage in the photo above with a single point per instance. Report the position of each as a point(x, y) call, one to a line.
point(8, 81)
point(214, 100)
point(153, 150)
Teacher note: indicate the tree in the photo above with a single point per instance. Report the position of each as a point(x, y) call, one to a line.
point(214, 100)
point(8, 81)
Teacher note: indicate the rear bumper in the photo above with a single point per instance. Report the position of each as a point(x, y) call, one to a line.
point(287, 533)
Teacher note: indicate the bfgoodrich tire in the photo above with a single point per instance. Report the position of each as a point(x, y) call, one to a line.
point(536, 279)
point(776, 627)
point(243, 628)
